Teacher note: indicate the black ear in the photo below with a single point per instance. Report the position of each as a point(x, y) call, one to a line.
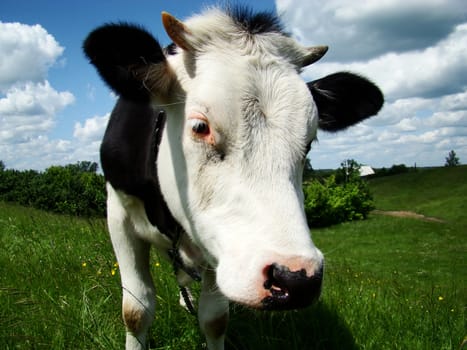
point(344, 99)
point(123, 53)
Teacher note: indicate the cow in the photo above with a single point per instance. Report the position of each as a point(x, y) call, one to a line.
point(203, 158)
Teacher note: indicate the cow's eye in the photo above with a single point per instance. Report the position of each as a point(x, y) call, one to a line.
point(199, 127)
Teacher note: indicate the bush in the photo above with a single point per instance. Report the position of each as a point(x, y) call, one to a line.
point(328, 203)
point(77, 189)
point(74, 189)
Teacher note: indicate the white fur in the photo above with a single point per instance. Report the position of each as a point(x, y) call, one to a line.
point(251, 201)
point(243, 212)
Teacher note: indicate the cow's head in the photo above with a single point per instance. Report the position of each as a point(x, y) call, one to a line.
point(240, 121)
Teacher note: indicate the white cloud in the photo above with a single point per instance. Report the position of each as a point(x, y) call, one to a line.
point(38, 152)
point(408, 124)
point(91, 92)
point(432, 72)
point(445, 118)
point(92, 129)
point(415, 51)
point(454, 102)
point(27, 53)
point(29, 104)
point(33, 99)
point(371, 27)
point(29, 111)
point(35, 150)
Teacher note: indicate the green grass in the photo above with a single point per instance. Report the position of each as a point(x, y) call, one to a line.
point(60, 286)
point(434, 192)
point(398, 283)
point(49, 300)
point(390, 283)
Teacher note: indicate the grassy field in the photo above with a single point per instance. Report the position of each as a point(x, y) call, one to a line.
point(391, 282)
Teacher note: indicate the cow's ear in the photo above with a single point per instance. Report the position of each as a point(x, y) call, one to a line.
point(344, 99)
point(130, 60)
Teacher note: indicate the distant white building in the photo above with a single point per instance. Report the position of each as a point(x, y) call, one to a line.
point(366, 170)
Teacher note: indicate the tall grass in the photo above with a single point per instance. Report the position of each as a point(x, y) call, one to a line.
point(50, 298)
point(390, 283)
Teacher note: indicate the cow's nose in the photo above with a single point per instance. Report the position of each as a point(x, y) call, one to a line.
point(291, 289)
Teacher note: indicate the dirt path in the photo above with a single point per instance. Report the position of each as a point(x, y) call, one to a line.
point(407, 214)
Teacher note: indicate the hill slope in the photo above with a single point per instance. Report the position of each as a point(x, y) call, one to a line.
point(438, 192)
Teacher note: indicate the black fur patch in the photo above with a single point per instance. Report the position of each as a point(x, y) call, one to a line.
point(255, 22)
point(344, 99)
point(128, 156)
point(117, 50)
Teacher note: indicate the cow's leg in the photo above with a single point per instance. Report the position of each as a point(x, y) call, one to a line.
point(138, 302)
point(213, 311)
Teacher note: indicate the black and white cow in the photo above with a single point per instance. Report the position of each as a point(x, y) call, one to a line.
point(203, 157)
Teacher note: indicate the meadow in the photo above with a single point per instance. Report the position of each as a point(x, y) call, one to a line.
point(390, 282)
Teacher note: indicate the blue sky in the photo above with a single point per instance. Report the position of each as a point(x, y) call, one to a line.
point(53, 106)
point(70, 22)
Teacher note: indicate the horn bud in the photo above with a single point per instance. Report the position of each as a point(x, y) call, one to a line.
point(314, 54)
point(176, 30)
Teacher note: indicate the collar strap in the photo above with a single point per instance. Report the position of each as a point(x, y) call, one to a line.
point(169, 226)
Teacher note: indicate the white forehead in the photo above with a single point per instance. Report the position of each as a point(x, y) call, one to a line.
point(202, 25)
point(235, 76)
point(218, 83)
point(243, 33)
point(266, 101)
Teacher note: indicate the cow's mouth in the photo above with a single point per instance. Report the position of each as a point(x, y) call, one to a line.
point(290, 289)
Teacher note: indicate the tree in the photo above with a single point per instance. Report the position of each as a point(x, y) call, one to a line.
point(398, 169)
point(308, 166)
point(349, 170)
point(452, 159)
point(307, 170)
point(2, 165)
point(87, 167)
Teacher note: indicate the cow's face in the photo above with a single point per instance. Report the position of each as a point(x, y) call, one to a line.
point(247, 127)
point(239, 123)
point(248, 118)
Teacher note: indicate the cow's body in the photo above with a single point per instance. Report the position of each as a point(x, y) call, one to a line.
point(203, 158)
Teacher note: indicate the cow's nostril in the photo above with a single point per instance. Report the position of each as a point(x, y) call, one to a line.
point(291, 289)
